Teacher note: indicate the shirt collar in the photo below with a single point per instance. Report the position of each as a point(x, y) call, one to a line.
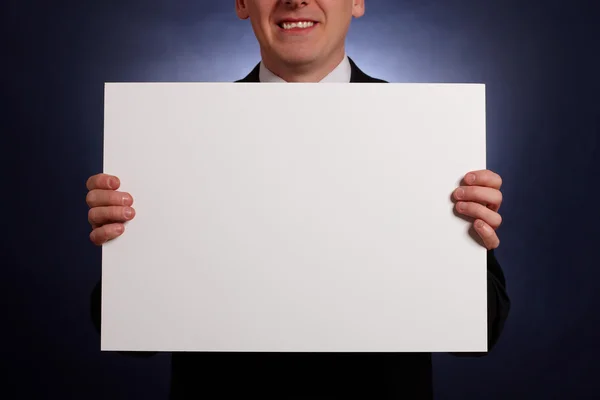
point(341, 74)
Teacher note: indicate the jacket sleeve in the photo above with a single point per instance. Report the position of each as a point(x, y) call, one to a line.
point(498, 304)
point(498, 300)
point(96, 314)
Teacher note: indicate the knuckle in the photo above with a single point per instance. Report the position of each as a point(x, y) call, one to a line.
point(474, 209)
point(96, 236)
point(485, 229)
point(92, 215)
point(92, 182)
point(91, 197)
point(89, 182)
point(109, 233)
point(97, 215)
point(471, 208)
point(112, 198)
point(119, 196)
point(473, 192)
point(482, 177)
point(101, 236)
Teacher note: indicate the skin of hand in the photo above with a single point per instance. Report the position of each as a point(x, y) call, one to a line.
point(479, 197)
point(109, 209)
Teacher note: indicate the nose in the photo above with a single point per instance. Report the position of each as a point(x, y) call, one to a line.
point(295, 3)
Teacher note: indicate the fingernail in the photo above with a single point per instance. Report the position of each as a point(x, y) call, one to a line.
point(470, 178)
point(126, 200)
point(462, 206)
point(481, 225)
point(120, 228)
point(460, 193)
point(127, 212)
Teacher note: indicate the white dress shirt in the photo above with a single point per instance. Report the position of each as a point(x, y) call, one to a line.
point(341, 74)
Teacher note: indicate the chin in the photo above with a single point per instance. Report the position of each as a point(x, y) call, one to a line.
point(297, 57)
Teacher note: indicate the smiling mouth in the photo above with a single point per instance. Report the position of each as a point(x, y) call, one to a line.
point(296, 25)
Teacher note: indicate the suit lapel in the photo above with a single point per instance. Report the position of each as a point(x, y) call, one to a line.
point(358, 76)
point(252, 77)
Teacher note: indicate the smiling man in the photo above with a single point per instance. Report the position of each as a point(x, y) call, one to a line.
point(301, 41)
point(304, 41)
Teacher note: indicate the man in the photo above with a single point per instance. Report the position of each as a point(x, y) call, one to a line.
point(304, 41)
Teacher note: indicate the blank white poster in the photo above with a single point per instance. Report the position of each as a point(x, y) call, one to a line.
point(294, 218)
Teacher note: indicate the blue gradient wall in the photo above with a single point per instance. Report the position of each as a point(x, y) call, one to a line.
point(539, 60)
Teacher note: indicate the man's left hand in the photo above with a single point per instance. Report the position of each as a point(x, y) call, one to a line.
point(479, 197)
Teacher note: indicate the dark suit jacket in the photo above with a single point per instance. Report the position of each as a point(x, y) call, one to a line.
point(285, 376)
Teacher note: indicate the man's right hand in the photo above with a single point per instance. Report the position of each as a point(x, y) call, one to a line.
point(109, 209)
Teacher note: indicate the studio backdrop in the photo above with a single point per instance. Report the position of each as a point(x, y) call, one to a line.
point(538, 59)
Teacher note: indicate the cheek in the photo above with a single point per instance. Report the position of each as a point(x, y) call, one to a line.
point(261, 29)
point(338, 22)
point(259, 18)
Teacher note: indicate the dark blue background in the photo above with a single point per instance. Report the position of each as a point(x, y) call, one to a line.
point(539, 60)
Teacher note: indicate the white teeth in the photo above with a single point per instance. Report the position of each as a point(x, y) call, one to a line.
point(302, 25)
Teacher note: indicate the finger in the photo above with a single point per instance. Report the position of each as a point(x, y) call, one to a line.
point(108, 215)
point(478, 211)
point(487, 234)
point(483, 195)
point(101, 198)
point(103, 181)
point(485, 178)
point(106, 233)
